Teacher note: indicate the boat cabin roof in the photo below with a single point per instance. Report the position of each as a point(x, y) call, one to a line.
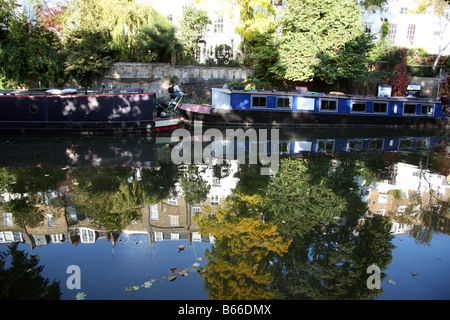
point(331, 95)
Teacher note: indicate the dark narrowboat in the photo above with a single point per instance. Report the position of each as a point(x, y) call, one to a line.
point(67, 110)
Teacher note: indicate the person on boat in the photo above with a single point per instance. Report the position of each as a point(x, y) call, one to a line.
point(175, 91)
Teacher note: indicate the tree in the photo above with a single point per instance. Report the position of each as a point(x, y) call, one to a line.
point(245, 252)
point(29, 53)
point(23, 279)
point(321, 39)
point(156, 43)
point(88, 55)
point(193, 27)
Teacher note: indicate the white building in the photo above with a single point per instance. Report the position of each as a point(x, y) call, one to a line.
point(408, 29)
point(224, 19)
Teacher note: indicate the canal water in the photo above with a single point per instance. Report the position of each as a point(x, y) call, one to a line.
point(250, 214)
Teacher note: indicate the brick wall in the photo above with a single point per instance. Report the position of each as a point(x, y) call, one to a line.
point(196, 81)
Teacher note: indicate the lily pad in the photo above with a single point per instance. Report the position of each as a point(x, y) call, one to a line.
point(80, 296)
point(172, 277)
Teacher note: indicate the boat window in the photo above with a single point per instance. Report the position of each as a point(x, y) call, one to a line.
point(325, 145)
point(409, 108)
point(355, 145)
point(328, 105)
point(405, 144)
point(259, 102)
point(423, 143)
point(427, 109)
point(358, 106)
point(284, 102)
point(380, 107)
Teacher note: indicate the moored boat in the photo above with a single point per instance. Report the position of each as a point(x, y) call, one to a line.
point(66, 110)
point(304, 108)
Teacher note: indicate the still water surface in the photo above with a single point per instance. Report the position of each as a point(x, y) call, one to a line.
point(136, 225)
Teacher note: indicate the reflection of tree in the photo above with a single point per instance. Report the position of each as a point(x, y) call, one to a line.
point(22, 280)
point(195, 188)
point(333, 265)
point(296, 204)
point(26, 187)
point(112, 196)
point(242, 260)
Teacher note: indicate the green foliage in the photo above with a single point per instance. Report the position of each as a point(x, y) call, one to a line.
point(88, 55)
point(23, 279)
point(29, 53)
point(156, 43)
point(195, 188)
point(194, 25)
point(321, 40)
point(296, 203)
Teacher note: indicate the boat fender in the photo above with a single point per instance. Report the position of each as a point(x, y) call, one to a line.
point(61, 91)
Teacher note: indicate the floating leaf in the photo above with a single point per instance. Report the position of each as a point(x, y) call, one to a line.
point(181, 248)
point(172, 277)
point(200, 259)
point(147, 284)
point(413, 274)
point(391, 282)
point(80, 296)
point(192, 269)
point(196, 265)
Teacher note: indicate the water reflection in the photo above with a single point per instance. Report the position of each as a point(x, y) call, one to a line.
point(308, 232)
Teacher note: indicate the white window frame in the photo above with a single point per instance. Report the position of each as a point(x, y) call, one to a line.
point(353, 102)
point(258, 96)
point(381, 103)
point(8, 219)
point(328, 110)
point(407, 113)
point(154, 214)
point(174, 220)
point(284, 98)
point(430, 114)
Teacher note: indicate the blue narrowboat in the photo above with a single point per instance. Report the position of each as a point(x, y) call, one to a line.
point(304, 108)
point(66, 110)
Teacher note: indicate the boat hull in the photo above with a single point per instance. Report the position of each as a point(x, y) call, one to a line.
point(209, 115)
point(102, 112)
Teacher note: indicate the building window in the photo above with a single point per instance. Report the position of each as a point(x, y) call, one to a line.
point(283, 103)
point(154, 216)
point(169, 17)
point(259, 102)
point(158, 236)
point(368, 27)
point(380, 107)
point(174, 221)
point(50, 221)
point(196, 210)
point(410, 34)
point(392, 32)
point(403, 10)
point(328, 105)
point(214, 200)
point(173, 201)
point(358, 106)
point(8, 219)
point(218, 23)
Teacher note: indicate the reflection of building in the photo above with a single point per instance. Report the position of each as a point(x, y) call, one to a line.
point(410, 189)
point(170, 219)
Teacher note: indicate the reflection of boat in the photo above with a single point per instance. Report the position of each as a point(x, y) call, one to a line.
point(68, 111)
point(98, 150)
point(303, 108)
point(297, 142)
